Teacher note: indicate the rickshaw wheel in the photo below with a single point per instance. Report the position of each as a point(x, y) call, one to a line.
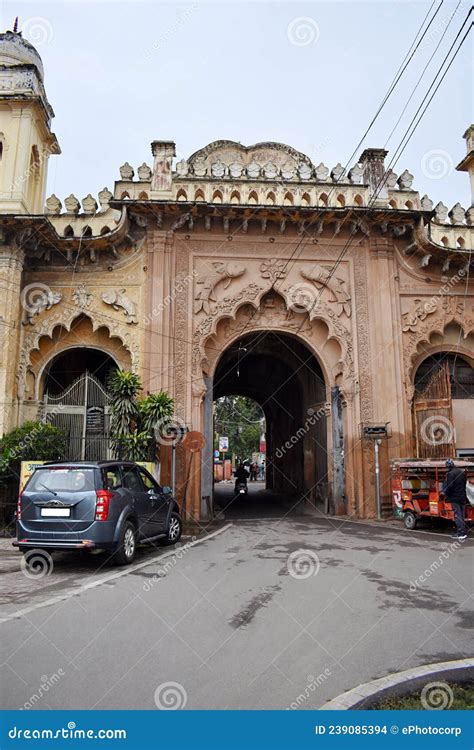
point(410, 520)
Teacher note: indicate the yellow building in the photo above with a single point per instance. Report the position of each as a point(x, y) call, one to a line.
point(330, 296)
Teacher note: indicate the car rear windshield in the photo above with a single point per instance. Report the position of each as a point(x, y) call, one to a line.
point(62, 480)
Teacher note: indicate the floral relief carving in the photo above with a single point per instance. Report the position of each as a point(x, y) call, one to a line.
point(273, 269)
point(81, 296)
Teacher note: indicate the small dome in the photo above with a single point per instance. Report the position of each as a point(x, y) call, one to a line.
point(14, 50)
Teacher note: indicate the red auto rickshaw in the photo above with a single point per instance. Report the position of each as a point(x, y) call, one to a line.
point(417, 490)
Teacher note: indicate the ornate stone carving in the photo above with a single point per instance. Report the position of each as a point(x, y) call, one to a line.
point(391, 179)
point(81, 296)
point(236, 169)
point(420, 310)
point(89, 204)
point(224, 272)
point(426, 203)
point(405, 180)
point(126, 172)
point(253, 170)
point(36, 298)
point(322, 172)
point(320, 276)
point(144, 172)
point(200, 167)
point(72, 205)
point(53, 205)
point(270, 171)
point(441, 213)
point(288, 170)
point(218, 169)
point(182, 168)
point(304, 170)
point(337, 172)
point(105, 196)
point(356, 174)
point(119, 301)
point(273, 269)
point(363, 339)
point(457, 214)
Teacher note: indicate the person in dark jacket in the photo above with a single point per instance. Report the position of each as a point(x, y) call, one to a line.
point(455, 493)
point(241, 475)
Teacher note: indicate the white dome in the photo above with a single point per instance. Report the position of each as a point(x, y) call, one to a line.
point(14, 50)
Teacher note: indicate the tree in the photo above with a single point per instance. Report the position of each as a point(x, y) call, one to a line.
point(135, 420)
point(242, 420)
point(32, 441)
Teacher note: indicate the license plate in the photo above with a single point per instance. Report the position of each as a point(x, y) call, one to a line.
point(56, 512)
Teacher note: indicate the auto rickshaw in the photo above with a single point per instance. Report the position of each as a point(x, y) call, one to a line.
point(417, 490)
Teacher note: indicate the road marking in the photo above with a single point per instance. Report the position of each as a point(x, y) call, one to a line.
point(111, 577)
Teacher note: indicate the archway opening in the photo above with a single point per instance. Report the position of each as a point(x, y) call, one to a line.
point(444, 406)
point(278, 372)
point(66, 367)
point(76, 400)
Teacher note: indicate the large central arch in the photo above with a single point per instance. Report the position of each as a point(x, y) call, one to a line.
point(294, 367)
point(281, 374)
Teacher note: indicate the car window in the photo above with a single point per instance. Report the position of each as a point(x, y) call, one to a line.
point(131, 479)
point(148, 481)
point(62, 480)
point(113, 478)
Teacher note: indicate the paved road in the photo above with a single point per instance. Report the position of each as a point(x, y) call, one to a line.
point(236, 622)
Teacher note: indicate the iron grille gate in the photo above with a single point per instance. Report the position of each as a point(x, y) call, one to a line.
point(82, 411)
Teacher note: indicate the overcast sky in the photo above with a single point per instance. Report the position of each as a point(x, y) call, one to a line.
point(121, 74)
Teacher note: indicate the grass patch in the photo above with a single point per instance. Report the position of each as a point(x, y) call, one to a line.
point(463, 699)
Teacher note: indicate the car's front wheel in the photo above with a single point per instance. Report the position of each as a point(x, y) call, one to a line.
point(175, 528)
point(127, 546)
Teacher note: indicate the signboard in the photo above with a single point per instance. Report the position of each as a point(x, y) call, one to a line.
point(27, 469)
point(375, 431)
point(223, 444)
point(216, 454)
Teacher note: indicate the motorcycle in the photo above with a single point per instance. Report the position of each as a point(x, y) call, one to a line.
point(241, 489)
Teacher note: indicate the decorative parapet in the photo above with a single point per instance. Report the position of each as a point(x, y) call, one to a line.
point(90, 222)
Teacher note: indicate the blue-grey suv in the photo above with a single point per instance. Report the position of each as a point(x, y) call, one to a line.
point(107, 505)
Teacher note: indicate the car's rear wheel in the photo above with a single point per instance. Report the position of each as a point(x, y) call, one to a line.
point(175, 529)
point(410, 520)
point(127, 546)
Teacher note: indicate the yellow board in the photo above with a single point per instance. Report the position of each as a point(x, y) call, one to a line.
point(27, 469)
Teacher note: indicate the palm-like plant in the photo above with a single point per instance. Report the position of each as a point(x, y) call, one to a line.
point(134, 420)
point(156, 410)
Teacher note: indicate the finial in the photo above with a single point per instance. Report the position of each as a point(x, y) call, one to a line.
point(15, 26)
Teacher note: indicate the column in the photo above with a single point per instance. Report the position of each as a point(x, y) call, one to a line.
point(11, 267)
